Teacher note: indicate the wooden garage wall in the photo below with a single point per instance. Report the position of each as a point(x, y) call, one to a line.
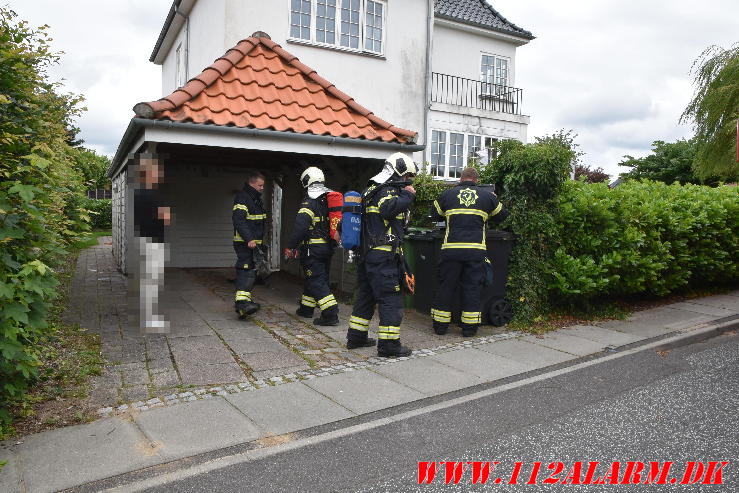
point(201, 198)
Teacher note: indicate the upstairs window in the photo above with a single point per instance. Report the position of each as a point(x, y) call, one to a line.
point(373, 29)
point(326, 21)
point(493, 73)
point(357, 25)
point(300, 15)
point(350, 27)
point(180, 75)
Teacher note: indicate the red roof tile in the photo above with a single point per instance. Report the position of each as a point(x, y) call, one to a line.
point(257, 84)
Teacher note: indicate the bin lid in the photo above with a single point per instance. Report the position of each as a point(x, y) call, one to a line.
point(494, 234)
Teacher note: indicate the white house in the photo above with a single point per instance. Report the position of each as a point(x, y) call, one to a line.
point(290, 87)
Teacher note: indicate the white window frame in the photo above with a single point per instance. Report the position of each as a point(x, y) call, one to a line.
point(337, 28)
point(467, 146)
point(460, 156)
point(179, 66)
point(447, 156)
point(494, 85)
point(443, 156)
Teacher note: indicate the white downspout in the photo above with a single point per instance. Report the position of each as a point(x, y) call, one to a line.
point(427, 86)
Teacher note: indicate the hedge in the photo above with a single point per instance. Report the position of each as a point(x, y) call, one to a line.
point(100, 211)
point(40, 195)
point(642, 237)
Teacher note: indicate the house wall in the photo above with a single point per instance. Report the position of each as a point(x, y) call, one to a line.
point(119, 190)
point(206, 43)
point(201, 198)
point(459, 53)
point(402, 69)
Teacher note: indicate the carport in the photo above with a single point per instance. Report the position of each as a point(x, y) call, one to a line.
point(256, 107)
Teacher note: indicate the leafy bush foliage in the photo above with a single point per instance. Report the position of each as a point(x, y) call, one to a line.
point(427, 190)
point(642, 237)
point(530, 177)
point(40, 192)
point(577, 242)
point(100, 211)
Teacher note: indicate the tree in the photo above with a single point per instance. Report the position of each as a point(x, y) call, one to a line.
point(591, 175)
point(565, 139)
point(668, 163)
point(93, 167)
point(714, 111)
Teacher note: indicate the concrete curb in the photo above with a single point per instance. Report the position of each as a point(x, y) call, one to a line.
point(697, 335)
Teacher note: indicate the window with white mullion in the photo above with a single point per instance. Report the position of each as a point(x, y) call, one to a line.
point(501, 71)
point(438, 153)
point(493, 74)
point(474, 144)
point(374, 14)
point(349, 27)
point(326, 21)
point(300, 19)
point(456, 155)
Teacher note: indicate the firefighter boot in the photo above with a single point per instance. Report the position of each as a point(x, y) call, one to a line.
point(325, 321)
point(304, 311)
point(246, 308)
point(358, 338)
point(369, 342)
point(440, 328)
point(469, 330)
point(392, 349)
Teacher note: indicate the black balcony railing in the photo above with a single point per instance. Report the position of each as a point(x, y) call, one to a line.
point(449, 89)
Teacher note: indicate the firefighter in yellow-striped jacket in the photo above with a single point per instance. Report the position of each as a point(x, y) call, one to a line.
point(312, 243)
point(248, 219)
point(466, 209)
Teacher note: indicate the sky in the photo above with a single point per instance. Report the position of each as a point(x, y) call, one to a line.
point(616, 72)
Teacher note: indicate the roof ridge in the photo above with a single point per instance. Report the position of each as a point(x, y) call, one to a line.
point(502, 18)
point(235, 55)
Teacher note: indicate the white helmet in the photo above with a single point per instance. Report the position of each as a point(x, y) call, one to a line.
point(310, 176)
point(402, 164)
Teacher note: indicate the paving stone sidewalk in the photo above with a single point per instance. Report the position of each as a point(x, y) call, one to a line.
point(207, 345)
point(193, 422)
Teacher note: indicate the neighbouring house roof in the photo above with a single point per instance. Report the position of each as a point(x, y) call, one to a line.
point(478, 13)
point(257, 84)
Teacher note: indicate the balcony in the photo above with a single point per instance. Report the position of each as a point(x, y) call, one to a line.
point(449, 89)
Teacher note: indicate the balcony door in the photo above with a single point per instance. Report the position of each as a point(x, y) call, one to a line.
point(493, 74)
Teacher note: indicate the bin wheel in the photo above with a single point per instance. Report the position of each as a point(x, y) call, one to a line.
point(501, 312)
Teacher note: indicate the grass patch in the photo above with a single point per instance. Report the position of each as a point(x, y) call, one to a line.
point(91, 239)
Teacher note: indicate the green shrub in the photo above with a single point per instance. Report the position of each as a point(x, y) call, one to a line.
point(427, 190)
point(100, 211)
point(40, 193)
point(529, 176)
point(642, 237)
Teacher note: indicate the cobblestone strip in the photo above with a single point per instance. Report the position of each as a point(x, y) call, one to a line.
point(209, 392)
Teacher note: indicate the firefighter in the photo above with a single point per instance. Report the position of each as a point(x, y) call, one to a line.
point(311, 234)
point(466, 209)
point(385, 208)
point(248, 218)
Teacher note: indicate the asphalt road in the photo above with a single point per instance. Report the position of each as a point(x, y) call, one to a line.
point(677, 406)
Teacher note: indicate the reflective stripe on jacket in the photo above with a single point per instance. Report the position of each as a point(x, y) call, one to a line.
point(466, 208)
point(385, 209)
point(248, 215)
point(311, 224)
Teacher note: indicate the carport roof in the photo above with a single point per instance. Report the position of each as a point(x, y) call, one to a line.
point(257, 84)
